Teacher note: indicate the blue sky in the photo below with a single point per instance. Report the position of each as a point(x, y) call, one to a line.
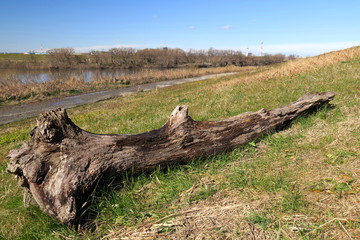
point(306, 27)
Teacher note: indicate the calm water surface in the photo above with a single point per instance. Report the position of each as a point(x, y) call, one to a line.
point(37, 76)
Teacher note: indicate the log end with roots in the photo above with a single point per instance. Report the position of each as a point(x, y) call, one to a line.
point(61, 164)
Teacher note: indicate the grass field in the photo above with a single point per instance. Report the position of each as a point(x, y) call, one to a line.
point(300, 183)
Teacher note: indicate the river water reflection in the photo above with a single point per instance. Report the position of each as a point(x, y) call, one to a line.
point(38, 76)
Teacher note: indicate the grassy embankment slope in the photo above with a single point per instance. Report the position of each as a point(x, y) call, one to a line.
point(301, 183)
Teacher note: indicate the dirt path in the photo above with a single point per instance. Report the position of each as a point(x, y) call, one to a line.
point(14, 113)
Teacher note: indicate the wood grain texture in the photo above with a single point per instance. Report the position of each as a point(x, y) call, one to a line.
point(61, 163)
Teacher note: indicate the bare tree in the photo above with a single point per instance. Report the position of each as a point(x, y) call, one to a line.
point(122, 57)
point(61, 57)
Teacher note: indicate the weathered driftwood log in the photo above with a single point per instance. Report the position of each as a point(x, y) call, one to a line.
point(61, 164)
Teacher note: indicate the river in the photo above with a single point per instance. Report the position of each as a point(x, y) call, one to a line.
point(38, 76)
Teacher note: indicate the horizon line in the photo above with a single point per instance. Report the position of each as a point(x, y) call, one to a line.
point(312, 49)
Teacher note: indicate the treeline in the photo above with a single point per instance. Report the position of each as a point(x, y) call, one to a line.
point(170, 58)
point(151, 58)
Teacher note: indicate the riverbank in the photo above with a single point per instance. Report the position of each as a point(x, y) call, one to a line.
point(14, 92)
point(18, 112)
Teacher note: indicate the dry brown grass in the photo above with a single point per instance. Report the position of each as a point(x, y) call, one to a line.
point(223, 216)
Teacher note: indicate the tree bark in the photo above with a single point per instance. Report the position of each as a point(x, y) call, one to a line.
point(61, 164)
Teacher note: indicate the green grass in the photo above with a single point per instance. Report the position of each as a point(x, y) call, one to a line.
point(260, 219)
point(293, 201)
point(289, 183)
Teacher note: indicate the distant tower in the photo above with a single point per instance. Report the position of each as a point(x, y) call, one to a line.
point(261, 48)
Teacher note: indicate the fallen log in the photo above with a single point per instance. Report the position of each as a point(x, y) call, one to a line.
point(61, 163)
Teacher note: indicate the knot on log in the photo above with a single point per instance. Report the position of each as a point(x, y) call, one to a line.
point(52, 127)
point(18, 162)
point(179, 116)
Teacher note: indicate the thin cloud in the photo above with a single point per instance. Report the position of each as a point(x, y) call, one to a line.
point(155, 17)
point(100, 47)
point(192, 27)
point(227, 27)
